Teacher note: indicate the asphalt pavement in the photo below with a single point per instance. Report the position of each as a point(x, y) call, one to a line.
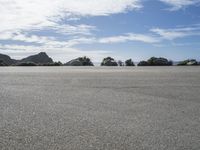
point(99, 108)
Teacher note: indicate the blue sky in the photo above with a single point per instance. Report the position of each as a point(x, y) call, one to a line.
point(67, 29)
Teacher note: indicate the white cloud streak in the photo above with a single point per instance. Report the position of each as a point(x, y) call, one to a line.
point(129, 37)
point(179, 4)
point(80, 29)
point(172, 34)
point(156, 36)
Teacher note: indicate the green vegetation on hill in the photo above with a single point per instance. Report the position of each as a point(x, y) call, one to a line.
point(129, 62)
point(53, 64)
point(42, 59)
point(154, 61)
point(81, 61)
point(109, 61)
point(143, 63)
point(26, 64)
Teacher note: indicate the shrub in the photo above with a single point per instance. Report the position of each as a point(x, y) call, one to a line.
point(143, 63)
point(81, 61)
point(129, 62)
point(85, 61)
point(26, 64)
point(154, 61)
point(53, 64)
point(120, 63)
point(109, 61)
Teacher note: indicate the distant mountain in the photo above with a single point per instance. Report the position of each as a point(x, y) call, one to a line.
point(6, 60)
point(41, 58)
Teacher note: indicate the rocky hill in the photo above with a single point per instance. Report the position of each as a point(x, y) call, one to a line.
point(41, 58)
point(6, 60)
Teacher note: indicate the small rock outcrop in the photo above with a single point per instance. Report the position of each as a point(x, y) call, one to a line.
point(81, 61)
point(189, 62)
point(109, 61)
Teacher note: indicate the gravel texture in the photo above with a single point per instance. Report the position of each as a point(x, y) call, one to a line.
point(99, 108)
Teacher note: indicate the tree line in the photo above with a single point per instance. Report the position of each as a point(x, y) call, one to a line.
point(42, 59)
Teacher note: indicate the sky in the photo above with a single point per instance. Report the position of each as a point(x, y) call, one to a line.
point(123, 29)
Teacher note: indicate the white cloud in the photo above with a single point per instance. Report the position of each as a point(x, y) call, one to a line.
point(81, 29)
point(33, 14)
point(178, 4)
point(171, 34)
point(156, 36)
point(23, 37)
point(20, 17)
point(130, 37)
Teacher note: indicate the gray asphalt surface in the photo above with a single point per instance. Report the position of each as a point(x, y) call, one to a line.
point(66, 108)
